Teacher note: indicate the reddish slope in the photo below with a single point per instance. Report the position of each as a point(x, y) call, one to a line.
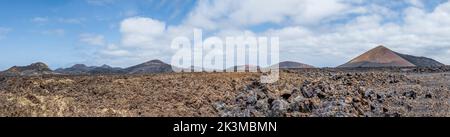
point(379, 57)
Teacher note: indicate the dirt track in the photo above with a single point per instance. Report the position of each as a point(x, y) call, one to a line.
point(309, 92)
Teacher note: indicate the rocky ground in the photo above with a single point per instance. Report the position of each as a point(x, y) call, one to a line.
point(298, 93)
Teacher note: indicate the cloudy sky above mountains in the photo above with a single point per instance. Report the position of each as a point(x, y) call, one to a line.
point(322, 33)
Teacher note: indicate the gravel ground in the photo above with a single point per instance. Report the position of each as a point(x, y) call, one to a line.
point(298, 93)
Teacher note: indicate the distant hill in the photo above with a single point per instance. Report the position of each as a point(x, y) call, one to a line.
point(384, 57)
point(153, 66)
point(105, 69)
point(81, 69)
point(291, 65)
point(34, 69)
point(75, 69)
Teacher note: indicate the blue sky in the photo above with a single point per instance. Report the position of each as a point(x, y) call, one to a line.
point(95, 32)
point(48, 30)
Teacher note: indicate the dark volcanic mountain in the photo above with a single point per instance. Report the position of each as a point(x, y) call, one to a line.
point(291, 64)
point(34, 69)
point(153, 66)
point(76, 69)
point(105, 69)
point(81, 69)
point(384, 57)
point(421, 61)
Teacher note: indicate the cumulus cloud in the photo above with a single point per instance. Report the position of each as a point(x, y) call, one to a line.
point(92, 39)
point(420, 33)
point(141, 32)
point(142, 39)
point(307, 29)
point(220, 14)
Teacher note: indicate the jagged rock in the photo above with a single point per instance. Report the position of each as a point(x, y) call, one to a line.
point(279, 108)
point(410, 94)
point(299, 93)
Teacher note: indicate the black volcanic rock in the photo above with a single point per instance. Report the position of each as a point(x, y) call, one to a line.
point(153, 66)
point(34, 69)
point(105, 69)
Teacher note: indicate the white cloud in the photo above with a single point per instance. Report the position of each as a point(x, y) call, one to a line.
point(141, 32)
point(44, 20)
point(92, 39)
point(113, 50)
point(416, 3)
point(100, 2)
point(143, 39)
point(305, 35)
point(56, 32)
point(40, 19)
point(215, 14)
point(71, 20)
point(420, 33)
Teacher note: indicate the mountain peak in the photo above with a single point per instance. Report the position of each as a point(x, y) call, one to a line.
point(37, 68)
point(292, 64)
point(381, 56)
point(79, 66)
point(153, 66)
point(39, 65)
point(380, 47)
point(155, 61)
point(105, 66)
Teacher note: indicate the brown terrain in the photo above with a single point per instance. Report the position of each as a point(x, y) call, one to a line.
point(298, 93)
point(379, 83)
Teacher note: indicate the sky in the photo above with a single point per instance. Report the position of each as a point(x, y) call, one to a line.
point(323, 33)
